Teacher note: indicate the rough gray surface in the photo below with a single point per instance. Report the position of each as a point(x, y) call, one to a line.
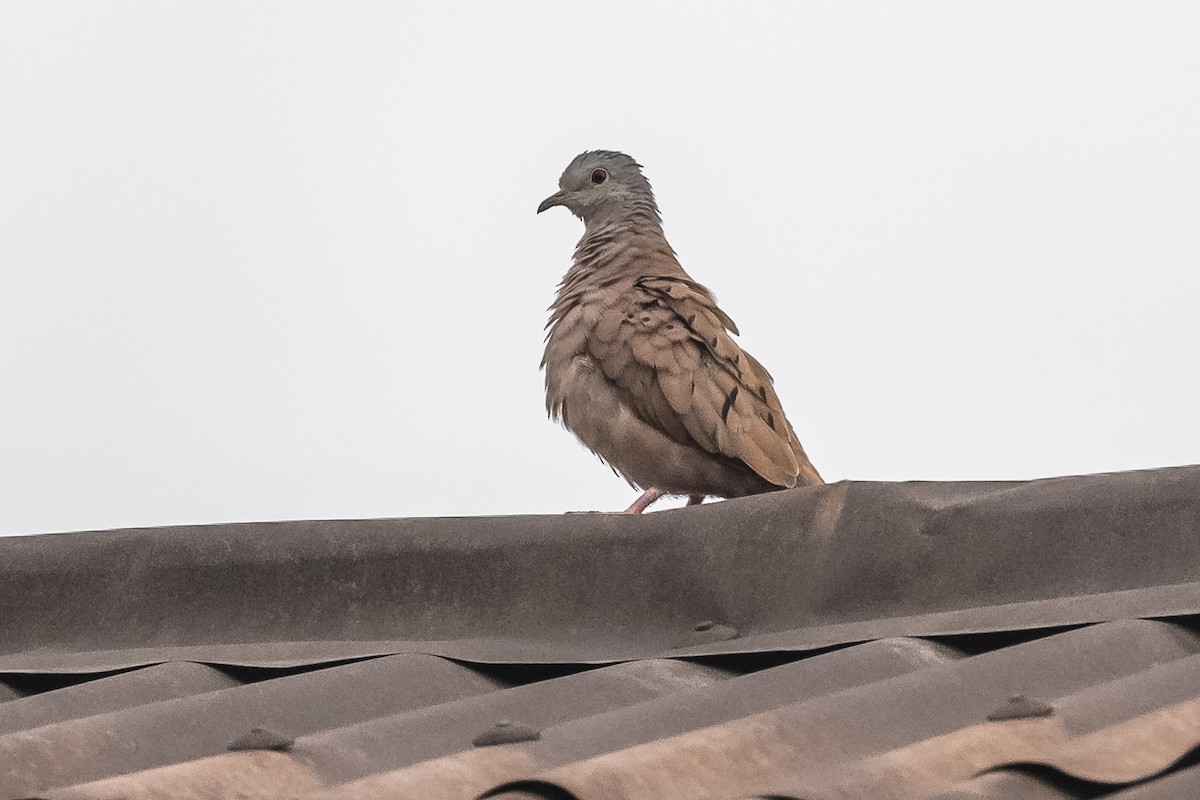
point(839, 641)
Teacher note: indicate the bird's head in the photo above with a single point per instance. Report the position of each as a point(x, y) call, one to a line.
point(601, 185)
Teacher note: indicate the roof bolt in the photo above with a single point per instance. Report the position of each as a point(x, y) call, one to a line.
point(262, 739)
point(506, 732)
point(1018, 706)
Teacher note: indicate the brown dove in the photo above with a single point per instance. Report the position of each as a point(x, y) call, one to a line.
point(639, 360)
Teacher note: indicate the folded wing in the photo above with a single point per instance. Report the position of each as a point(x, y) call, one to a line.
point(668, 349)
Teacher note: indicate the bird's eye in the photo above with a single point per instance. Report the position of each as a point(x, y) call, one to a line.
point(599, 176)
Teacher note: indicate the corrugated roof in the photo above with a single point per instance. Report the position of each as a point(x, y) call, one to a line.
point(917, 640)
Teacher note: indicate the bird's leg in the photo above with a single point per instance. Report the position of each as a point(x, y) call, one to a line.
point(695, 499)
point(643, 502)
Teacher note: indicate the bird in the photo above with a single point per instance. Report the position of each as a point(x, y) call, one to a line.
point(639, 360)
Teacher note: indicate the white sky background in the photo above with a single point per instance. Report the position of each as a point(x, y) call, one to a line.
point(280, 260)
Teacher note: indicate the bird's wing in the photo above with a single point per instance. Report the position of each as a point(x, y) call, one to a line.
point(667, 348)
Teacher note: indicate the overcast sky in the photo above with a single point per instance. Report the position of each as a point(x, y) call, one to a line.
point(280, 260)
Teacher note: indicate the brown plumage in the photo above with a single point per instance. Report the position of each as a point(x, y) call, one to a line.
point(640, 364)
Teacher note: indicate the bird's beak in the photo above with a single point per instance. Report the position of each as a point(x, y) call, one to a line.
point(556, 199)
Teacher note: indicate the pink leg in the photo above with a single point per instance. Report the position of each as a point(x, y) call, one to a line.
point(695, 499)
point(643, 502)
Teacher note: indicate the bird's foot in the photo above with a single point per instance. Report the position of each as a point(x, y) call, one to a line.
point(644, 502)
point(647, 499)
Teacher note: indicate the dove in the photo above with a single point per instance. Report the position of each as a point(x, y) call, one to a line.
point(640, 363)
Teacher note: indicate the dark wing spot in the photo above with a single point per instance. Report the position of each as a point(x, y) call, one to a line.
point(771, 420)
point(729, 400)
